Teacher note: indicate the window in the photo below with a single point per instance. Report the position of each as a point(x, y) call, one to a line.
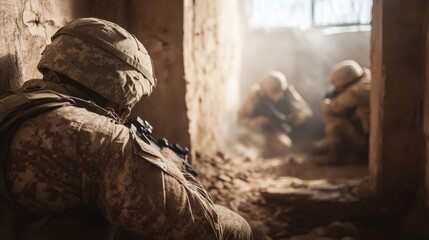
point(309, 13)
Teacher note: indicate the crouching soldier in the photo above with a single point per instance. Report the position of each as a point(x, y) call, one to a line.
point(347, 114)
point(271, 110)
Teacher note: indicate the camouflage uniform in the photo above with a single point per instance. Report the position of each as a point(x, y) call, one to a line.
point(74, 165)
point(255, 116)
point(348, 116)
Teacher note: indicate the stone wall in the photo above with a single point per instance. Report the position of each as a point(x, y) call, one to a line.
point(25, 28)
point(211, 52)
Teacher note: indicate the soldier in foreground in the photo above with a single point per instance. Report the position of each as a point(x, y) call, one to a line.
point(347, 114)
point(71, 170)
point(271, 110)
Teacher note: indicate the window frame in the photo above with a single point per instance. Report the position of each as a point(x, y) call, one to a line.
point(312, 21)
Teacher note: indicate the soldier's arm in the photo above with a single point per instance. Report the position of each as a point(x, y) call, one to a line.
point(246, 114)
point(340, 104)
point(139, 190)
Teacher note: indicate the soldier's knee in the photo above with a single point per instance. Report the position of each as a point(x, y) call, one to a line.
point(234, 226)
point(280, 143)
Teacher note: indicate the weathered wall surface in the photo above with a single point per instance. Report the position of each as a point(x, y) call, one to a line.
point(397, 145)
point(117, 11)
point(159, 25)
point(305, 57)
point(211, 53)
point(426, 110)
point(25, 28)
point(377, 93)
point(398, 64)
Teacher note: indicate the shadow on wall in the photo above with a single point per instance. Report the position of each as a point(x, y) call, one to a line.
point(10, 74)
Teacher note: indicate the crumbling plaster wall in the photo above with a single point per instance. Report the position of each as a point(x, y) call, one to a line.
point(25, 28)
point(397, 146)
point(211, 52)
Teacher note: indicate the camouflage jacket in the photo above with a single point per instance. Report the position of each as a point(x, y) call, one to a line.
point(70, 158)
point(355, 99)
point(253, 108)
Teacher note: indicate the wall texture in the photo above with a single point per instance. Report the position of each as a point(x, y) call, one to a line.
point(426, 108)
point(159, 25)
point(397, 144)
point(25, 28)
point(211, 53)
point(397, 94)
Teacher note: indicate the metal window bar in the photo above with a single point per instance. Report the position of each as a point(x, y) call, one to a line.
point(329, 13)
point(306, 13)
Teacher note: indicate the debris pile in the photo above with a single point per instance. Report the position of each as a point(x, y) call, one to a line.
point(283, 207)
point(227, 181)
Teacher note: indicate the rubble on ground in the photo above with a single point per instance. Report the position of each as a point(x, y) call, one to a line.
point(226, 180)
point(283, 207)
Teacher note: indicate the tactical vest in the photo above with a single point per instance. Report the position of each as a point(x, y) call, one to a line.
point(17, 106)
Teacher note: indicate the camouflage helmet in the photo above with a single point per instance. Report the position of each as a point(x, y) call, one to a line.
point(274, 81)
point(345, 72)
point(103, 57)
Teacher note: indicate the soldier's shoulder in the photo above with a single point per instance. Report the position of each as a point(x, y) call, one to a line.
point(255, 91)
point(79, 117)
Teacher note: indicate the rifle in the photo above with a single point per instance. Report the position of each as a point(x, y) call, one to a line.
point(334, 92)
point(278, 117)
point(143, 130)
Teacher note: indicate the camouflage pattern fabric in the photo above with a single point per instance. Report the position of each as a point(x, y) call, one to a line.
point(348, 116)
point(292, 105)
point(254, 116)
point(95, 67)
point(72, 158)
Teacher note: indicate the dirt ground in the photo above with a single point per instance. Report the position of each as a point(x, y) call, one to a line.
point(292, 197)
